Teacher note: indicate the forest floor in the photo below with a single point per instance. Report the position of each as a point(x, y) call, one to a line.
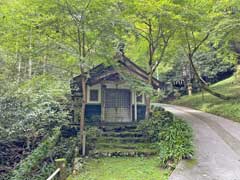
point(122, 168)
point(208, 103)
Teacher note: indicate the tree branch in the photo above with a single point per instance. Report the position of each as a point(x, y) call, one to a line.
point(160, 58)
point(142, 35)
point(188, 43)
point(200, 43)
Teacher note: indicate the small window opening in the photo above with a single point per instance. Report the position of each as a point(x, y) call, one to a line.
point(139, 98)
point(93, 95)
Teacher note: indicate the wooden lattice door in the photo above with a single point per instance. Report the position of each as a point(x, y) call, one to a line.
point(117, 105)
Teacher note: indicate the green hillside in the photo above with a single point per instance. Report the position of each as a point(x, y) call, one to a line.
point(208, 103)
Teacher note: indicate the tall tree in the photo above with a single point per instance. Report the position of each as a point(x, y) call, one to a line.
point(87, 30)
point(64, 36)
point(154, 23)
point(227, 30)
point(198, 22)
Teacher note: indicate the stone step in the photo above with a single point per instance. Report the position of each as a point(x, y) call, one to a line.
point(119, 128)
point(117, 124)
point(121, 152)
point(122, 134)
point(126, 145)
point(122, 139)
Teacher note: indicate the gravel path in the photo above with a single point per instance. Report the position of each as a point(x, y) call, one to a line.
point(217, 142)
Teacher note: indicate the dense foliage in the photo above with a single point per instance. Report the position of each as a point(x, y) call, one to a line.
point(32, 109)
point(44, 44)
point(28, 114)
point(158, 120)
point(40, 163)
point(173, 136)
point(92, 134)
point(175, 142)
point(24, 169)
point(213, 69)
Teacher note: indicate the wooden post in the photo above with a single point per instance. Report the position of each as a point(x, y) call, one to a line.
point(84, 101)
point(61, 163)
point(75, 161)
point(135, 105)
point(103, 88)
point(84, 144)
point(190, 89)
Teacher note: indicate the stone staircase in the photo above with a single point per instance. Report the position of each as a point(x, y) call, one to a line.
point(122, 139)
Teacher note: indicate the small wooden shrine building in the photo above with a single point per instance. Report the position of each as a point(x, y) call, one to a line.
point(110, 97)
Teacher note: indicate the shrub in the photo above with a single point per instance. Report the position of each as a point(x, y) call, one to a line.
point(26, 166)
point(68, 131)
point(92, 133)
point(157, 121)
point(65, 148)
point(40, 163)
point(175, 142)
point(172, 136)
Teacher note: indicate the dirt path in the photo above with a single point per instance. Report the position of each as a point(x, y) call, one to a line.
point(217, 142)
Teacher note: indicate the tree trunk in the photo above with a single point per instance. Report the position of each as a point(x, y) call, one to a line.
point(18, 59)
point(216, 94)
point(30, 67)
point(30, 56)
point(203, 84)
point(148, 97)
point(82, 116)
point(28, 143)
point(19, 69)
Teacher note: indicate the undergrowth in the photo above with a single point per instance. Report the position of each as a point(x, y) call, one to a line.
point(40, 164)
point(172, 136)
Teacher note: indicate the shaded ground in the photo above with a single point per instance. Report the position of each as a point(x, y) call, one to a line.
point(122, 168)
point(217, 142)
point(229, 109)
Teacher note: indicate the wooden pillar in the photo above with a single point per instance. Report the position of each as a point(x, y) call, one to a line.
point(103, 88)
point(84, 102)
point(61, 163)
point(135, 105)
point(131, 108)
point(84, 144)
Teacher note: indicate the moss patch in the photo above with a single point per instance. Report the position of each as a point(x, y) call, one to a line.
point(191, 163)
